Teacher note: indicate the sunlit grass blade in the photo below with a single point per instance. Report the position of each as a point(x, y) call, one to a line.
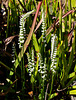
point(35, 43)
point(75, 68)
point(52, 96)
point(71, 75)
point(60, 21)
point(72, 92)
point(71, 80)
point(69, 7)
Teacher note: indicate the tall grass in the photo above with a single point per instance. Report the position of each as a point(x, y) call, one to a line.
point(48, 52)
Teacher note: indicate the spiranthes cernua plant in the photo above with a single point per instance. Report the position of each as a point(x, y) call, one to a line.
point(53, 52)
point(42, 67)
point(44, 70)
point(31, 62)
point(22, 32)
point(43, 26)
point(13, 52)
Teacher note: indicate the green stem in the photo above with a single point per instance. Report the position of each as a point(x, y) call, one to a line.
point(60, 21)
point(65, 13)
point(69, 7)
point(52, 80)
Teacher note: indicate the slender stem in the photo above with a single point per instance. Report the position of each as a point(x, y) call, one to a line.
point(60, 21)
point(65, 12)
point(51, 85)
point(69, 6)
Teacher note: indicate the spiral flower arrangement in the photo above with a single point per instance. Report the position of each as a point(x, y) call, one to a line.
point(53, 52)
point(43, 74)
point(22, 32)
point(43, 27)
point(31, 63)
point(42, 67)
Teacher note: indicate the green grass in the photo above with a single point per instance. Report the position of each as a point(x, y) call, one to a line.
point(45, 65)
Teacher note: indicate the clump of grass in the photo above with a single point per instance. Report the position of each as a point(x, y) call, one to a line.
point(49, 56)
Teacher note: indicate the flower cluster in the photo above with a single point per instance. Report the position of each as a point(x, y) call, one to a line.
point(31, 63)
point(43, 27)
point(42, 67)
point(21, 34)
point(22, 28)
point(53, 52)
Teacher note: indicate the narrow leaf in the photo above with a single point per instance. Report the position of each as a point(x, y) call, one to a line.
point(35, 43)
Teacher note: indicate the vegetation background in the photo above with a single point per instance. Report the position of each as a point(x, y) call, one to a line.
point(37, 49)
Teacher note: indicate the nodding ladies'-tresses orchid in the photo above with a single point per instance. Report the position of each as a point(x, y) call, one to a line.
point(42, 67)
point(31, 63)
point(43, 27)
point(53, 52)
point(22, 28)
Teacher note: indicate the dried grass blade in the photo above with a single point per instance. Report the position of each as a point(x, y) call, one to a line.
point(57, 21)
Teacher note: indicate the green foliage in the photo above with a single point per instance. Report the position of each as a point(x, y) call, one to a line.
point(45, 62)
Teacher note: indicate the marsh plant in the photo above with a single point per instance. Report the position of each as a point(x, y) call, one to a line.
point(43, 61)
